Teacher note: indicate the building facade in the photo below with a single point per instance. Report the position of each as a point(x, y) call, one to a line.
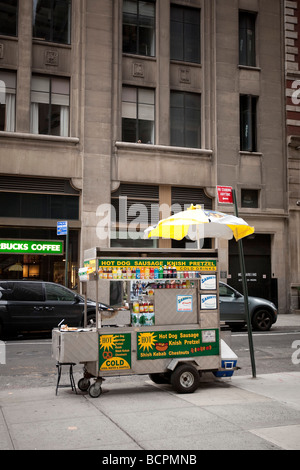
point(116, 112)
point(292, 50)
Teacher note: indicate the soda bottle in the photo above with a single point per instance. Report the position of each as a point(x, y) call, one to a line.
point(160, 272)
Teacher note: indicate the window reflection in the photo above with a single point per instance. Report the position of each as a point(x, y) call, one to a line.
point(7, 101)
point(52, 20)
point(8, 17)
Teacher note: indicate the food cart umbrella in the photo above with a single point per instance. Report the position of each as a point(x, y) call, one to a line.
point(197, 223)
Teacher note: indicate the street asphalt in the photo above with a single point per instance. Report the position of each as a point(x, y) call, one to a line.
point(134, 414)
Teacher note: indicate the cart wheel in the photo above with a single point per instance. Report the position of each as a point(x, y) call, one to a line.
point(95, 390)
point(185, 378)
point(83, 384)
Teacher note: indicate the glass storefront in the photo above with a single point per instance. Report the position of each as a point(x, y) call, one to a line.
point(44, 267)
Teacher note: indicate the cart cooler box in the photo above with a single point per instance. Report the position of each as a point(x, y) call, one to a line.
point(75, 346)
point(228, 361)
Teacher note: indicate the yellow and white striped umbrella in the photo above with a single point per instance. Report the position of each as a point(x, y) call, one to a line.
point(197, 223)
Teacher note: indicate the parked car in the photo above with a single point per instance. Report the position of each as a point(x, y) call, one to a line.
point(263, 313)
point(40, 306)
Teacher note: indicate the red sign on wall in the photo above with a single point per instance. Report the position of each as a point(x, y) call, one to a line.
point(225, 194)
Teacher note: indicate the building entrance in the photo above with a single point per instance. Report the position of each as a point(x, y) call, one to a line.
point(257, 253)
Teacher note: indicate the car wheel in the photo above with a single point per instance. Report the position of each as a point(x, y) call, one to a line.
point(262, 320)
point(185, 378)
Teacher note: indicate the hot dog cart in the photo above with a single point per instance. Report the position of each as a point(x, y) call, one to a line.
point(167, 323)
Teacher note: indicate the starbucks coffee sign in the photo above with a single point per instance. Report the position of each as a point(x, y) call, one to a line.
point(32, 247)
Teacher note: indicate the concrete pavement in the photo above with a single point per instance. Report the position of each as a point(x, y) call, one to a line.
point(135, 414)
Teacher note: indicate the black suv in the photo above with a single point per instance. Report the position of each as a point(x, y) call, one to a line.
point(40, 306)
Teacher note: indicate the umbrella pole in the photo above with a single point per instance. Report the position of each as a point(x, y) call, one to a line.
point(245, 290)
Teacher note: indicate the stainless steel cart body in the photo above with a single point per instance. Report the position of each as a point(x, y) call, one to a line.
point(170, 328)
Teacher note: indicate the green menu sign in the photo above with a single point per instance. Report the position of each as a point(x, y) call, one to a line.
point(179, 264)
point(177, 343)
point(32, 247)
point(115, 351)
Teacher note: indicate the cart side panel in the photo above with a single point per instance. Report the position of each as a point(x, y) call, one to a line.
point(75, 346)
point(175, 307)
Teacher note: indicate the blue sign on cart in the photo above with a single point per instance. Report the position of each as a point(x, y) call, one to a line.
point(62, 228)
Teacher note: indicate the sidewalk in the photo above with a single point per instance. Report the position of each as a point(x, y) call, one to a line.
point(135, 414)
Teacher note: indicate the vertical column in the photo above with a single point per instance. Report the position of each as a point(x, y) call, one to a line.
point(24, 67)
point(163, 72)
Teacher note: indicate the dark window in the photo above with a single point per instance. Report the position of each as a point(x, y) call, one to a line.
point(138, 115)
point(30, 291)
point(135, 208)
point(54, 292)
point(50, 99)
point(247, 54)
point(248, 123)
point(51, 20)
point(185, 119)
point(139, 27)
point(9, 17)
point(39, 206)
point(182, 198)
point(249, 198)
point(185, 34)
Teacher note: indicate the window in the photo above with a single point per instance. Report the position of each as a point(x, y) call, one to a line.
point(249, 198)
point(7, 101)
point(8, 17)
point(185, 34)
point(50, 106)
point(52, 20)
point(58, 293)
point(26, 291)
point(248, 123)
point(135, 207)
point(247, 54)
point(139, 27)
point(39, 206)
point(138, 115)
point(182, 198)
point(225, 291)
point(185, 119)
